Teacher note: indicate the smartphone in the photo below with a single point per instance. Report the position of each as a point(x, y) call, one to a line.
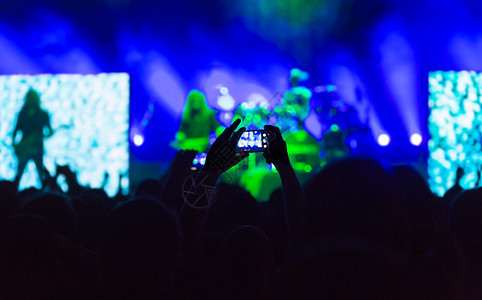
point(199, 161)
point(253, 141)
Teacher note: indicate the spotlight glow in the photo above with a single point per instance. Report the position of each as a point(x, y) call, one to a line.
point(138, 140)
point(226, 102)
point(416, 139)
point(224, 90)
point(383, 139)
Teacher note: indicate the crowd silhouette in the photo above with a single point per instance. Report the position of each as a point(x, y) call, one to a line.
point(357, 230)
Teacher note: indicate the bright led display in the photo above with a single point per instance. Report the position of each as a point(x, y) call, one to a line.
point(89, 118)
point(455, 126)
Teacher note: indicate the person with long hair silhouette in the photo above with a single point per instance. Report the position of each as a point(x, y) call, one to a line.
point(34, 124)
point(197, 122)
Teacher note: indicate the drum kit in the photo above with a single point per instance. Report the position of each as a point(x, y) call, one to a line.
point(341, 130)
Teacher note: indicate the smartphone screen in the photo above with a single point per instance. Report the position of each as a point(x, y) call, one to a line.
point(198, 161)
point(253, 141)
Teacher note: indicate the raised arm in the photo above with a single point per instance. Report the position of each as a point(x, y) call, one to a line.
point(293, 195)
point(221, 157)
point(71, 178)
point(179, 170)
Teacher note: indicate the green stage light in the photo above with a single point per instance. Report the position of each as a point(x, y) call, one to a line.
point(334, 128)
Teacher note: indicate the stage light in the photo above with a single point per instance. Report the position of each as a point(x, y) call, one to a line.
point(138, 140)
point(226, 102)
point(224, 90)
point(416, 139)
point(399, 68)
point(353, 144)
point(324, 88)
point(383, 139)
point(225, 118)
point(335, 128)
point(312, 125)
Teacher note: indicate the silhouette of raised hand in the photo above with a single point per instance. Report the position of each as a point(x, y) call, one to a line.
point(219, 159)
point(71, 178)
point(458, 175)
point(222, 155)
point(277, 151)
point(293, 195)
point(179, 171)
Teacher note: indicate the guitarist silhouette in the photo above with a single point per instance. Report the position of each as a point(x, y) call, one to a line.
point(34, 124)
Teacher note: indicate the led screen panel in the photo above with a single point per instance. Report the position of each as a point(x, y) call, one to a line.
point(455, 126)
point(89, 120)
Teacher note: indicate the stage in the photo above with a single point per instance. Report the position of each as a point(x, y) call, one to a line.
point(339, 78)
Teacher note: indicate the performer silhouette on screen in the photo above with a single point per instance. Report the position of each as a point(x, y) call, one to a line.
point(34, 124)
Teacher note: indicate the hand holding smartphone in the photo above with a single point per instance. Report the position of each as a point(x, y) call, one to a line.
point(250, 141)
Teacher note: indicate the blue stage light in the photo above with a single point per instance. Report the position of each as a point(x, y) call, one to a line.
point(138, 140)
point(226, 102)
point(224, 90)
point(416, 139)
point(383, 139)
